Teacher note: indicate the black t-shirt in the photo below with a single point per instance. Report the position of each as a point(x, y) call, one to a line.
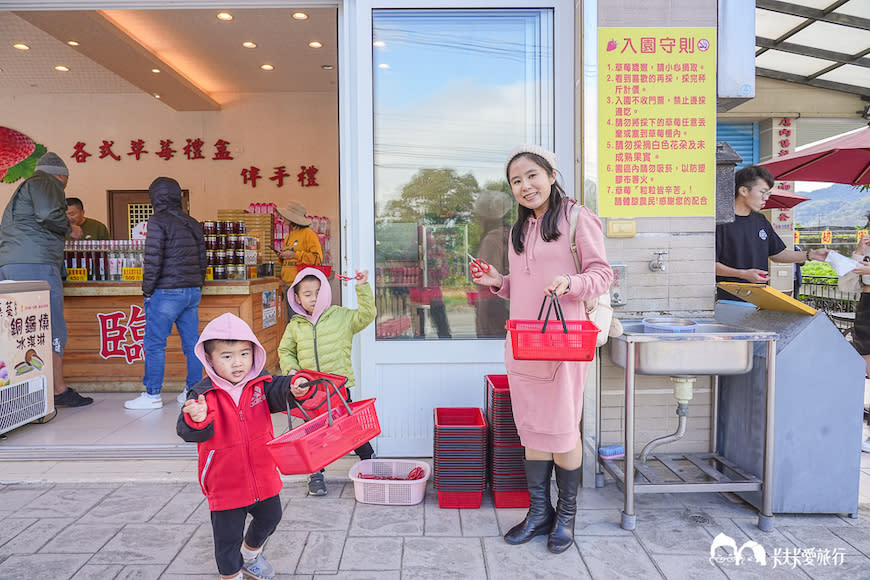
point(745, 243)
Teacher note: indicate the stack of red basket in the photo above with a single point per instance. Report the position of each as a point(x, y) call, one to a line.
point(460, 456)
point(506, 470)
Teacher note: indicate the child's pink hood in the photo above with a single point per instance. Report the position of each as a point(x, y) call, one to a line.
point(324, 296)
point(230, 327)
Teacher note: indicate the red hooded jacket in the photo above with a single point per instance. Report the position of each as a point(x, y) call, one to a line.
point(235, 468)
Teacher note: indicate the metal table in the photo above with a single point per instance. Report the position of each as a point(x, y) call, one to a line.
point(719, 474)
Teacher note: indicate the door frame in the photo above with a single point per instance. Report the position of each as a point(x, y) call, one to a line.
point(357, 182)
point(115, 203)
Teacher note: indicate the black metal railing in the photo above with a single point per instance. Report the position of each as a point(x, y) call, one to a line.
point(822, 293)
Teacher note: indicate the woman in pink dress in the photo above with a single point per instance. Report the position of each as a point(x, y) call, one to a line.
point(547, 397)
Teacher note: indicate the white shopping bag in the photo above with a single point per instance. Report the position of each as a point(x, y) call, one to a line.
point(840, 263)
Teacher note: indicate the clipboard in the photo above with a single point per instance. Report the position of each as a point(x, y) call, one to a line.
point(766, 298)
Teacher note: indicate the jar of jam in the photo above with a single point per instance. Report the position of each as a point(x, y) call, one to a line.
point(210, 257)
point(239, 257)
point(220, 257)
point(220, 242)
point(211, 242)
point(232, 241)
point(242, 229)
point(230, 228)
point(209, 228)
point(220, 272)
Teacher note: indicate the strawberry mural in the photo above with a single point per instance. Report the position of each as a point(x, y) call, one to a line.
point(18, 155)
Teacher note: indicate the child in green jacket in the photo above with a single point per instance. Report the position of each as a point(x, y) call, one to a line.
point(319, 337)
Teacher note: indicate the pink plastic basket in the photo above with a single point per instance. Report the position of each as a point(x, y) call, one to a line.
point(315, 444)
point(560, 339)
point(389, 492)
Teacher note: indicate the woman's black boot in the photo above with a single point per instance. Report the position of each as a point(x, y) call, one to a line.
point(562, 534)
point(539, 520)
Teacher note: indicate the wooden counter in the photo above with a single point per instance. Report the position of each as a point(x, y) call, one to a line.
point(106, 325)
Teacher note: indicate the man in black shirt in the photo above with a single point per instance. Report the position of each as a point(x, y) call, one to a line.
point(744, 246)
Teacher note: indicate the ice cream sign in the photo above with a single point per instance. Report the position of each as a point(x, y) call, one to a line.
point(28, 330)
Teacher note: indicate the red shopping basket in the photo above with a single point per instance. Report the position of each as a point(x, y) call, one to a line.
point(318, 442)
point(572, 340)
point(314, 401)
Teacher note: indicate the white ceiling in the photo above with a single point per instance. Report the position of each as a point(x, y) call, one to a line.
point(201, 58)
point(821, 43)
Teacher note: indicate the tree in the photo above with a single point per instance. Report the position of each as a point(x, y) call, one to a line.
point(434, 196)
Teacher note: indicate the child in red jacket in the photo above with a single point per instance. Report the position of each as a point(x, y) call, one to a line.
point(228, 414)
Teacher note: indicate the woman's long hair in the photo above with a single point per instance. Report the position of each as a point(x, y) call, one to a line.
point(550, 221)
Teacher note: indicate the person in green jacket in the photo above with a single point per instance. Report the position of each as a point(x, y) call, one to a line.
point(319, 337)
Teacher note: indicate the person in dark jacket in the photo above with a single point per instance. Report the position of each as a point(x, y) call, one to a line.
point(31, 248)
point(228, 415)
point(172, 279)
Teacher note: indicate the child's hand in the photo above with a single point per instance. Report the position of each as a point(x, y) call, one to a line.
point(197, 409)
point(362, 277)
point(297, 389)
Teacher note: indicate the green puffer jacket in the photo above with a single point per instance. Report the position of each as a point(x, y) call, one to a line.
point(326, 346)
point(35, 223)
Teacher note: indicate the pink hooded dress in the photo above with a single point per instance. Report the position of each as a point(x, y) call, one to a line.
point(547, 397)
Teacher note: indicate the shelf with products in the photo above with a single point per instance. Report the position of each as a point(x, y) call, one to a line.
point(103, 260)
point(321, 225)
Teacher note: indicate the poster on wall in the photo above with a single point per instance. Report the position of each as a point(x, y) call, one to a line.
point(657, 122)
point(270, 311)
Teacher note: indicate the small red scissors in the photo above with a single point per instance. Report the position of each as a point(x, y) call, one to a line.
point(477, 266)
point(357, 276)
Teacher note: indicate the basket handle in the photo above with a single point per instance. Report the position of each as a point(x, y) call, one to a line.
point(315, 382)
point(554, 300)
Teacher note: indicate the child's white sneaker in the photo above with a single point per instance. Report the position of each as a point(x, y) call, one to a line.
point(144, 402)
point(182, 397)
point(258, 568)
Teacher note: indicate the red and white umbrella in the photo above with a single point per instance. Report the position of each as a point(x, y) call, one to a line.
point(841, 159)
point(782, 199)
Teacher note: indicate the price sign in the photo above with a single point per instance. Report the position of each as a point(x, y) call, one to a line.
point(131, 274)
point(797, 237)
point(827, 237)
point(76, 274)
point(209, 273)
point(861, 234)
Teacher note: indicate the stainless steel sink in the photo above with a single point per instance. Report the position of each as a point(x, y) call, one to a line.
point(713, 349)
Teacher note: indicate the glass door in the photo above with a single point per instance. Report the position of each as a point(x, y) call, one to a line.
point(451, 91)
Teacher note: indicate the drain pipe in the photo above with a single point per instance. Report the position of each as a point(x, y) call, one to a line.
point(683, 388)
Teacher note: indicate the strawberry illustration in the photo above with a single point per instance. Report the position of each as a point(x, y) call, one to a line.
point(14, 147)
point(611, 45)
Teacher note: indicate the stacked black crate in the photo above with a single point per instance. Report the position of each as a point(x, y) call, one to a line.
point(506, 473)
point(460, 456)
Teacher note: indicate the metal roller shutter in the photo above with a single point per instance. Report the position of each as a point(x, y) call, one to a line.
point(743, 138)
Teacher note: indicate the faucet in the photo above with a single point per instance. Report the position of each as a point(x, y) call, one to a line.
point(658, 265)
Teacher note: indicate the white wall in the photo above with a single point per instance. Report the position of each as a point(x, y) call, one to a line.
point(265, 130)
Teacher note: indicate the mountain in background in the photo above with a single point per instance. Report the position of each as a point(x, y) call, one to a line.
point(837, 205)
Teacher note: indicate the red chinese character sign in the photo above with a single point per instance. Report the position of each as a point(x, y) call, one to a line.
point(121, 335)
point(657, 122)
